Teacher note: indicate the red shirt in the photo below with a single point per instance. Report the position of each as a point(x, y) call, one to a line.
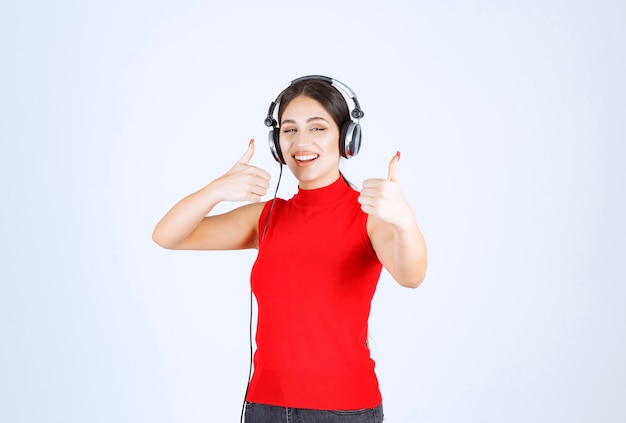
point(314, 279)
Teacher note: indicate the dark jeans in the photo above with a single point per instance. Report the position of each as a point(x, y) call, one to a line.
point(261, 413)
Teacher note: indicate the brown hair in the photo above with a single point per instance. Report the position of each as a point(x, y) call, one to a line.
point(322, 92)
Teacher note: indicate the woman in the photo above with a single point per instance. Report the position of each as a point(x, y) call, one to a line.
point(320, 258)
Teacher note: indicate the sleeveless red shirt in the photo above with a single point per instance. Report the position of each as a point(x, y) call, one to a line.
point(314, 279)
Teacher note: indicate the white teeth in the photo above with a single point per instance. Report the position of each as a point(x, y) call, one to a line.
point(307, 157)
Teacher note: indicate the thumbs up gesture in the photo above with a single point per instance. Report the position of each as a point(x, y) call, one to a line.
point(242, 182)
point(384, 199)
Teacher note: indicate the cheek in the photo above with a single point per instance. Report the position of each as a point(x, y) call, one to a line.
point(284, 143)
point(331, 142)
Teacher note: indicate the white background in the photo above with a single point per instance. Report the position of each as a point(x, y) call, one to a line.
point(510, 119)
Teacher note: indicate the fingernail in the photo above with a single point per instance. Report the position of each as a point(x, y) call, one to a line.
point(251, 142)
point(398, 154)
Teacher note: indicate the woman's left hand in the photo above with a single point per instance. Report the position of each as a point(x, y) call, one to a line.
point(384, 199)
point(393, 231)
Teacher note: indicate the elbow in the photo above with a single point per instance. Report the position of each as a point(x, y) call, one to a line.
point(414, 279)
point(413, 285)
point(161, 240)
point(411, 282)
point(158, 241)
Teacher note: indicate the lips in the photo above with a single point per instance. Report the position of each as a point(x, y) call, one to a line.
point(305, 157)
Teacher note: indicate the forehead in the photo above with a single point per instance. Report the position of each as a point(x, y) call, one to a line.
point(303, 107)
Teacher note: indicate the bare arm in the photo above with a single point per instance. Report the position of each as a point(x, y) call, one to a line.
point(186, 226)
point(393, 229)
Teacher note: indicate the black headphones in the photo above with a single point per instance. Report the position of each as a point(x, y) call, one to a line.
point(350, 132)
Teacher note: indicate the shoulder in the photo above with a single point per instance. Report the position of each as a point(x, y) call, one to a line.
point(252, 210)
point(273, 205)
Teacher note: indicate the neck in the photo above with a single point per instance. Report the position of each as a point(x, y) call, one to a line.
point(319, 183)
point(320, 197)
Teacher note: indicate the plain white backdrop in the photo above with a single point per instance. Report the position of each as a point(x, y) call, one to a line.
point(510, 119)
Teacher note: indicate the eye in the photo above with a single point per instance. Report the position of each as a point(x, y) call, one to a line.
point(318, 129)
point(288, 130)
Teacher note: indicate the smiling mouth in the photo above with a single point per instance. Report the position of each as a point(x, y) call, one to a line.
point(306, 157)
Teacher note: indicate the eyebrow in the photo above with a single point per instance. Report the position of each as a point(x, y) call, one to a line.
point(307, 121)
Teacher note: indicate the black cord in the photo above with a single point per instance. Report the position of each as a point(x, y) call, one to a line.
point(267, 221)
point(243, 407)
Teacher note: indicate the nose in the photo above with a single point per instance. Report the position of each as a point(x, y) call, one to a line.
point(298, 140)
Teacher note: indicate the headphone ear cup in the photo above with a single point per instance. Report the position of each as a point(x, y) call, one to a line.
point(350, 139)
point(274, 143)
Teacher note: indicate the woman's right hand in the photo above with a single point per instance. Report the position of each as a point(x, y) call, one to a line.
point(187, 226)
point(242, 182)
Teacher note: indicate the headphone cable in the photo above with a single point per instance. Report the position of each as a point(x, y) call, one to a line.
point(267, 221)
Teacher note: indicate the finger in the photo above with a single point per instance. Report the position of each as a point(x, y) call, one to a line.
point(372, 183)
point(262, 182)
point(365, 200)
point(393, 167)
point(258, 190)
point(263, 174)
point(367, 209)
point(369, 192)
point(245, 159)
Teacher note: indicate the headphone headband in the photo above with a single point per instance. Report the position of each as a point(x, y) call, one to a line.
point(356, 113)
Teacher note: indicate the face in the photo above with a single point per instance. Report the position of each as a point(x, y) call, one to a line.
point(309, 140)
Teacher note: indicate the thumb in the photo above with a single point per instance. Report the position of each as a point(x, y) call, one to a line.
point(393, 167)
point(245, 159)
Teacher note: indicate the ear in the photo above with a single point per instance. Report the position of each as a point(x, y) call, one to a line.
point(350, 139)
point(274, 143)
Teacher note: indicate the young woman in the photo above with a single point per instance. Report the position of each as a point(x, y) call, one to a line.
point(319, 260)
